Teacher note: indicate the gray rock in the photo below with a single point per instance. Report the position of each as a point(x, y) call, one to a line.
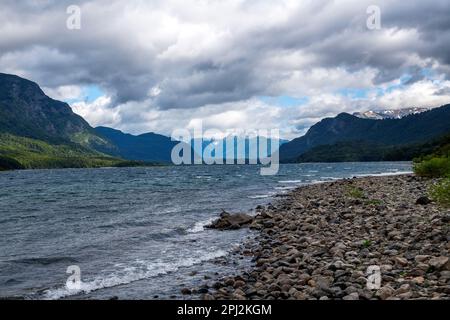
point(186, 291)
point(385, 292)
point(424, 200)
point(438, 262)
point(352, 296)
point(229, 221)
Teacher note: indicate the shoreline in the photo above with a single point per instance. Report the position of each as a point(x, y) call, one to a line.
point(318, 241)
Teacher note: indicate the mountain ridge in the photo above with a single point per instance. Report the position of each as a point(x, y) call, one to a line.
point(389, 113)
point(35, 126)
point(37, 131)
point(414, 128)
point(143, 147)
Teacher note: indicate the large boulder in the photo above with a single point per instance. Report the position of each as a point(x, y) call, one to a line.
point(228, 221)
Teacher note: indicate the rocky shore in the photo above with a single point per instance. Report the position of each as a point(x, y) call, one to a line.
point(320, 240)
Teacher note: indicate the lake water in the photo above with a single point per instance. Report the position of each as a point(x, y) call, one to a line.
point(135, 233)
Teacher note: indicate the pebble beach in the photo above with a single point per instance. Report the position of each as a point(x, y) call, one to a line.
point(319, 242)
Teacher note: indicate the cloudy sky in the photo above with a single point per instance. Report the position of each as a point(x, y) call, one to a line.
point(158, 65)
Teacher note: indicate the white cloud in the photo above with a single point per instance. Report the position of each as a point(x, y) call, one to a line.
point(98, 112)
point(64, 93)
point(424, 93)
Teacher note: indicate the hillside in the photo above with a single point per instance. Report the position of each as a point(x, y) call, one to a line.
point(39, 132)
point(144, 147)
point(414, 129)
point(364, 151)
point(26, 153)
point(26, 111)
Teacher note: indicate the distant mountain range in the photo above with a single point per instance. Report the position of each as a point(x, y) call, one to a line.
point(144, 147)
point(39, 132)
point(389, 114)
point(199, 145)
point(350, 133)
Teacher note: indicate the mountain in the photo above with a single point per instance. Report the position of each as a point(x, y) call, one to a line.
point(25, 153)
point(199, 146)
point(357, 151)
point(389, 114)
point(26, 111)
point(39, 132)
point(145, 147)
point(412, 129)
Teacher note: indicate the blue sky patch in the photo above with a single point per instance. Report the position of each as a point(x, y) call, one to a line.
point(284, 101)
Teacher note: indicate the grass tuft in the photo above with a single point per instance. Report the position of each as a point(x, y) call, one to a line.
point(440, 192)
point(356, 193)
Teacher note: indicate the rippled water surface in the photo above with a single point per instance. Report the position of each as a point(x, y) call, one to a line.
point(135, 232)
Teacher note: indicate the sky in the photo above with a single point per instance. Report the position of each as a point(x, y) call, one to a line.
point(142, 66)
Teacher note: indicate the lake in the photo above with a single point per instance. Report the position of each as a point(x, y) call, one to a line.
point(136, 233)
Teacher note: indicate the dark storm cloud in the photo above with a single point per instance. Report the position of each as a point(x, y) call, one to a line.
point(198, 55)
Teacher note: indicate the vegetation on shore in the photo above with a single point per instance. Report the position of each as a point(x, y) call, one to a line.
point(406, 239)
point(433, 167)
point(437, 165)
point(26, 153)
point(440, 192)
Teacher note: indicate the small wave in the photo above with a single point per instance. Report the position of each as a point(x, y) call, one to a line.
point(285, 188)
point(165, 233)
point(45, 261)
point(383, 174)
point(200, 225)
point(11, 282)
point(127, 224)
point(143, 270)
point(260, 196)
point(291, 181)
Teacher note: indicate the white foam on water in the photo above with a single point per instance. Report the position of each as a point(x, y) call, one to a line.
point(261, 196)
point(143, 270)
point(199, 226)
point(291, 181)
point(207, 177)
point(383, 174)
point(285, 188)
point(318, 181)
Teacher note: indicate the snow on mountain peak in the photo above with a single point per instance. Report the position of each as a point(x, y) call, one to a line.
point(389, 113)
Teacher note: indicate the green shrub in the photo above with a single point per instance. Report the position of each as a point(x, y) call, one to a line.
point(434, 167)
point(440, 192)
point(356, 193)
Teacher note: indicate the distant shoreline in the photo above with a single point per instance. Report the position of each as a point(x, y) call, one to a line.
point(319, 240)
point(137, 164)
point(124, 164)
